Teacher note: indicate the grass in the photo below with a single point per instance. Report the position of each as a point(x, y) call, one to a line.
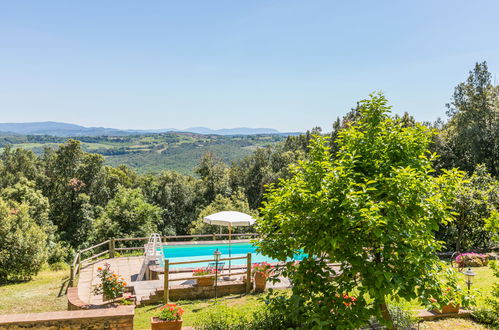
point(483, 282)
point(451, 324)
point(44, 293)
point(193, 309)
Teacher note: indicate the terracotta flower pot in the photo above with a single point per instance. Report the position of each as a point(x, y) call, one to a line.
point(260, 281)
point(158, 324)
point(448, 309)
point(205, 281)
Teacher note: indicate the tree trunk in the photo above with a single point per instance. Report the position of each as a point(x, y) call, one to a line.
point(385, 314)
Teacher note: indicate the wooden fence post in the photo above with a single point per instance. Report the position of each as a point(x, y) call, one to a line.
point(248, 272)
point(71, 276)
point(111, 248)
point(166, 294)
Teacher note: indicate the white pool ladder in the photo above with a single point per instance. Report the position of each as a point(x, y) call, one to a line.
point(152, 250)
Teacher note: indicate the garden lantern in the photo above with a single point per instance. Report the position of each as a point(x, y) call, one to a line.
point(469, 277)
point(216, 256)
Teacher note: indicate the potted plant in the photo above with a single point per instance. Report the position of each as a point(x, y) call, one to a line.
point(204, 281)
point(111, 286)
point(169, 317)
point(261, 272)
point(450, 295)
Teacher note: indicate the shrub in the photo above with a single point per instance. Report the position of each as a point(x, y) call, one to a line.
point(22, 243)
point(60, 265)
point(471, 259)
point(401, 318)
point(222, 317)
point(58, 253)
point(486, 316)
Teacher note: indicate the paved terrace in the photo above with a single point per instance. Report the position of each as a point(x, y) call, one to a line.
point(128, 268)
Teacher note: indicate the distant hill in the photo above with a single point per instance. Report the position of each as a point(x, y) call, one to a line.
point(66, 130)
point(231, 131)
point(150, 152)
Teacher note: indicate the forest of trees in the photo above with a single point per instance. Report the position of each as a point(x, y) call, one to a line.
point(67, 199)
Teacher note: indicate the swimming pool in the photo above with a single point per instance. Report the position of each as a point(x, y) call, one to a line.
point(176, 253)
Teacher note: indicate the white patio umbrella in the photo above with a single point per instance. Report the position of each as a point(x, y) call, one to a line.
point(230, 219)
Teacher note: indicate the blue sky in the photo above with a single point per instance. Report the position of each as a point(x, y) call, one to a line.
point(290, 65)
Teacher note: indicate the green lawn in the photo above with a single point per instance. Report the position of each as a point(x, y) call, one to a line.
point(483, 282)
point(42, 294)
point(194, 308)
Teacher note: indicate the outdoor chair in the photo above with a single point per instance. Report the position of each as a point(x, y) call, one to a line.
point(212, 265)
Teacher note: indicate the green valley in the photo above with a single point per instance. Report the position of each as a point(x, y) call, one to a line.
point(152, 153)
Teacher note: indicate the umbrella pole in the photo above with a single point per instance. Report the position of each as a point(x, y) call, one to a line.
point(230, 247)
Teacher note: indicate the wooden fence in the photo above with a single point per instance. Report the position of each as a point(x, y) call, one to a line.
point(167, 279)
point(113, 245)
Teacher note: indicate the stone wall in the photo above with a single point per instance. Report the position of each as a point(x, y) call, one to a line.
point(120, 317)
point(189, 292)
point(74, 301)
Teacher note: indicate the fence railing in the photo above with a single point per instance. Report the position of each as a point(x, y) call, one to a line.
point(110, 248)
point(167, 279)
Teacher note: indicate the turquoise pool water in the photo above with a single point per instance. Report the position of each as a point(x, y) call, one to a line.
point(175, 253)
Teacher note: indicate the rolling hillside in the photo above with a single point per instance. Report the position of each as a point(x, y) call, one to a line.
point(152, 153)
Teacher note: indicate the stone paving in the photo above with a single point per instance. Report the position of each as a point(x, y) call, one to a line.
point(128, 268)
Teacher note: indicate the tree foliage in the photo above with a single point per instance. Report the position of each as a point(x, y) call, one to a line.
point(127, 215)
point(236, 202)
point(471, 136)
point(476, 203)
point(373, 207)
point(23, 249)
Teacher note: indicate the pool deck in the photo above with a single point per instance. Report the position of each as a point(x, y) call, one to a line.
point(128, 268)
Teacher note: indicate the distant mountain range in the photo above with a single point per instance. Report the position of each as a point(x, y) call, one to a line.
point(66, 130)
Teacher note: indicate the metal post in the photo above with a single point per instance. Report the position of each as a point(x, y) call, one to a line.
point(166, 294)
point(230, 248)
point(216, 277)
point(248, 272)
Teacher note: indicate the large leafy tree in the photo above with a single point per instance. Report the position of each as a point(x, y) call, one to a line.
point(127, 215)
point(472, 135)
point(477, 200)
point(373, 207)
point(23, 249)
point(69, 177)
point(178, 196)
point(236, 202)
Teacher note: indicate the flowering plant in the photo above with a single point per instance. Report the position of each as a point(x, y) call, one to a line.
point(170, 312)
point(348, 301)
point(471, 259)
point(203, 271)
point(112, 286)
point(262, 267)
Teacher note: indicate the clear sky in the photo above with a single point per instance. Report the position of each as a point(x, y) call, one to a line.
point(289, 65)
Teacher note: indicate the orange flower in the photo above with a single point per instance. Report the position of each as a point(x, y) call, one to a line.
point(99, 268)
